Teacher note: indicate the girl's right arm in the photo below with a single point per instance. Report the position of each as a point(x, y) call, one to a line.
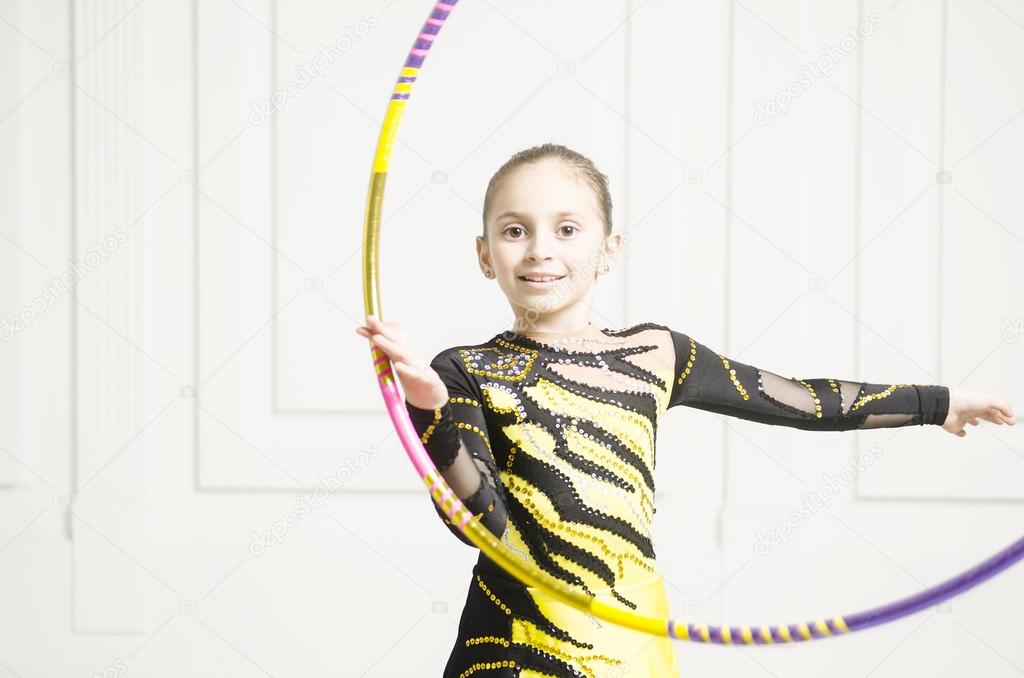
point(445, 409)
point(456, 438)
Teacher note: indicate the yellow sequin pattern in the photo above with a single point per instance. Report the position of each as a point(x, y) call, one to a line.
point(576, 462)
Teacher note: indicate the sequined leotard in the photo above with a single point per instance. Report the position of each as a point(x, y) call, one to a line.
point(555, 449)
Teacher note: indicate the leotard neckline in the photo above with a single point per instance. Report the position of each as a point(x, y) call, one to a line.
point(515, 337)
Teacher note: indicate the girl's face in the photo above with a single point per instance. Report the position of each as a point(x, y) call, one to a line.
point(545, 222)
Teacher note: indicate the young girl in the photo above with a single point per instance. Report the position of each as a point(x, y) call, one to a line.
point(548, 430)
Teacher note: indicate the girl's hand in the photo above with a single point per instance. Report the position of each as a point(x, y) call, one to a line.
point(422, 386)
point(967, 407)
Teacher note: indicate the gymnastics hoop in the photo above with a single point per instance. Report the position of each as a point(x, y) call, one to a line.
point(501, 554)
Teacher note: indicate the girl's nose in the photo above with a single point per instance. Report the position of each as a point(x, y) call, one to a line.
point(538, 248)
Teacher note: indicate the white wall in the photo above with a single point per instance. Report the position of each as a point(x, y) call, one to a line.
point(205, 379)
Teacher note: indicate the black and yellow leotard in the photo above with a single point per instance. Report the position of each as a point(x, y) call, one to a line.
point(555, 447)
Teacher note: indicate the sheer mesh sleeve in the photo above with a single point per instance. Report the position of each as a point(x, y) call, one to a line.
point(707, 380)
point(455, 436)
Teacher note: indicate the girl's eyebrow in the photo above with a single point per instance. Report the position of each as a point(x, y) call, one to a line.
point(517, 215)
point(520, 215)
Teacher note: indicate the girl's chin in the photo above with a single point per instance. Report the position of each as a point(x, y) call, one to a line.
point(541, 305)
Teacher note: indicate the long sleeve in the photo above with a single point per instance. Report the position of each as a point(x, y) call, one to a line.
point(455, 436)
point(710, 381)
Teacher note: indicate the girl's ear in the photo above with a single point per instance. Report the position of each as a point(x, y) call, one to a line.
point(482, 252)
point(613, 243)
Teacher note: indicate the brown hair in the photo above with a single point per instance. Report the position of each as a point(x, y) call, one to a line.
point(582, 165)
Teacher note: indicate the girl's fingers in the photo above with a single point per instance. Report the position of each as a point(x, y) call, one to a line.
point(998, 417)
point(396, 349)
point(386, 343)
point(381, 329)
point(1005, 410)
point(381, 325)
point(391, 332)
point(993, 417)
point(374, 333)
point(378, 340)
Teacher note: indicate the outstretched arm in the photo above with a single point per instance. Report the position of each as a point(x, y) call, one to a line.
point(708, 380)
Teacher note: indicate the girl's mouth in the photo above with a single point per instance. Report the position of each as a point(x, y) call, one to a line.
point(541, 282)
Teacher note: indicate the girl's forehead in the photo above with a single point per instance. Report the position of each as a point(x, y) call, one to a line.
point(549, 168)
point(548, 184)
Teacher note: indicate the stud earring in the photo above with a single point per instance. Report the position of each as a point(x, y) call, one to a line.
point(488, 274)
point(607, 268)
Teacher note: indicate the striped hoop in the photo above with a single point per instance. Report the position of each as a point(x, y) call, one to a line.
point(445, 498)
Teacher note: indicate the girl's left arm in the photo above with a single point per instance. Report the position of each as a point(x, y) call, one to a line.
point(707, 380)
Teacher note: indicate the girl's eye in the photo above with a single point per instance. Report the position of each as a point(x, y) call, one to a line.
point(508, 231)
point(574, 228)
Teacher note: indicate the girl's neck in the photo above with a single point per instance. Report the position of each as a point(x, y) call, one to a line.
point(587, 330)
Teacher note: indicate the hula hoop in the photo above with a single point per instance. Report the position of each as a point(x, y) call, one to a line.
point(501, 554)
